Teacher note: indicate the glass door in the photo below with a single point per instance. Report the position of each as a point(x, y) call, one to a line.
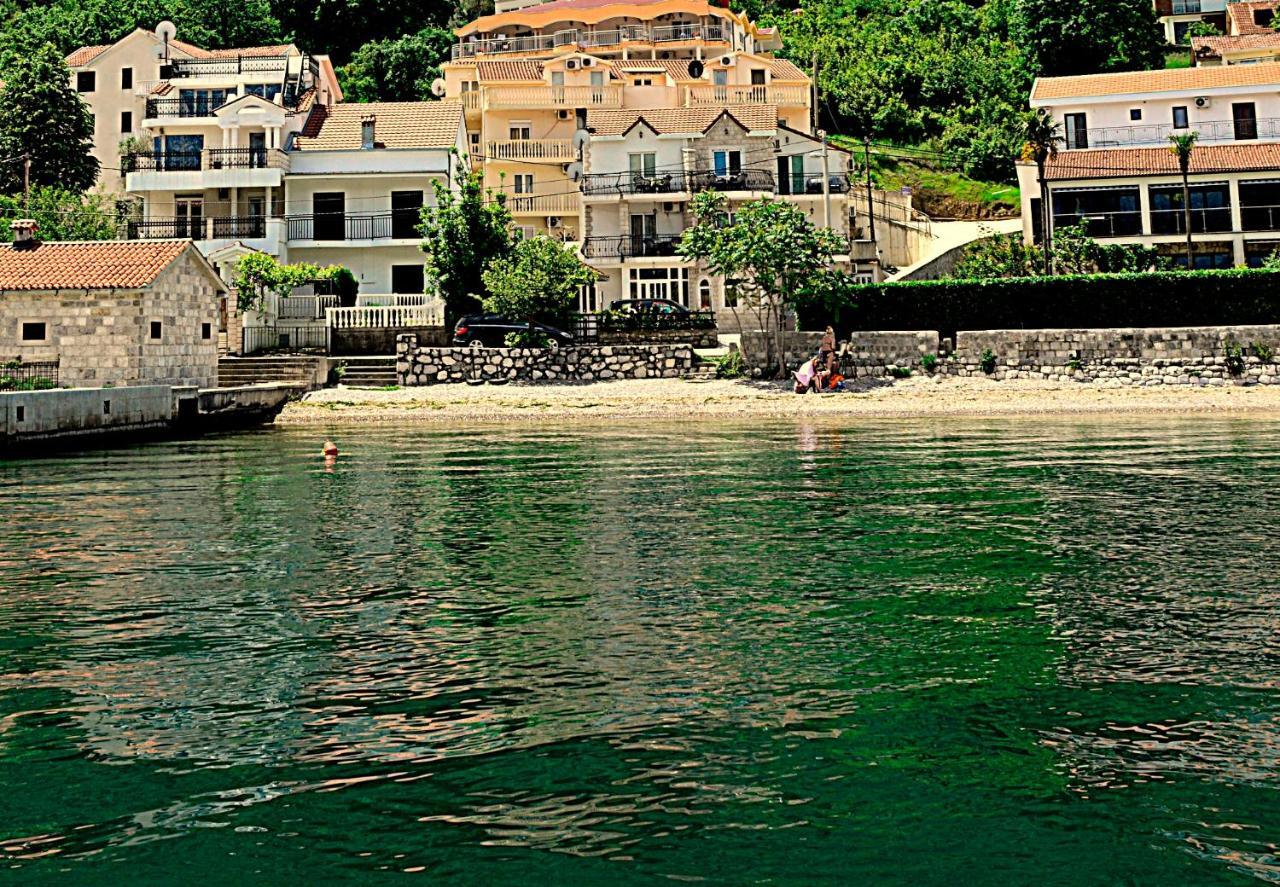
point(258, 150)
point(644, 229)
point(188, 215)
point(1245, 117)
point(330, 215)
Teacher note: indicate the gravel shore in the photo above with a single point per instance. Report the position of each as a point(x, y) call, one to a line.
point(676, 399)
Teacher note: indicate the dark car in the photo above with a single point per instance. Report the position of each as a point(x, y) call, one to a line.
point(490, 330)
point(648, 306)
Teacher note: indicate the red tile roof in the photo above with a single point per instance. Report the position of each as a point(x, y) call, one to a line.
point(1216, 46)
point(104, 264)
point(682, 120)
point(1116, 163)
point(1240, 16)
point(396, 125)
point(86, 54)
point(521, 70)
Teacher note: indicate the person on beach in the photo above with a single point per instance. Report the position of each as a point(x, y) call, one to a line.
point(827, 350)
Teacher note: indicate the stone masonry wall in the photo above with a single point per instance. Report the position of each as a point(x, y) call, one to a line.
point(696, 338)
point(870, 354)
point(420, 365)
point(1175, 356)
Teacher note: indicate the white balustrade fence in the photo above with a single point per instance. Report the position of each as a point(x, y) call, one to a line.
point(383, 316)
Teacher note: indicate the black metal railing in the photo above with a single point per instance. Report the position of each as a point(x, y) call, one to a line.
point(353, 226)
point(633, 183)
point(237, 158)
point(654, 321)
point(1173, 221)
point(1105, 224)
point(162, 161)
point(33, 375)
point(628, 246)
point(193, 106)
point(280, 337)
point(165, 229)
point(240, 226)
point(732, 180)
point(240, 64)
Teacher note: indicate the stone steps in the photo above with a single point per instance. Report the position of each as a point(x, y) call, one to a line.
point(234, 372)
point(369, 372)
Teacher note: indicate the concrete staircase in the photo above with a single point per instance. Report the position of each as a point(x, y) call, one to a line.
point(234, 372)
point(369, 372)
point(702, 371)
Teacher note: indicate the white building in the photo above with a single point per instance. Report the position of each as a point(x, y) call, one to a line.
point(1116, 174)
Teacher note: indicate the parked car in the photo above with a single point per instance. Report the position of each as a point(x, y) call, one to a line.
point(648, 306)
point(490, 331)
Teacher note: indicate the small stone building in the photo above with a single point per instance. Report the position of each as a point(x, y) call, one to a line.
point(110, 312)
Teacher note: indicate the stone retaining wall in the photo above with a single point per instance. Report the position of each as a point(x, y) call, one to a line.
point(696, 338)
point(871, 354)
point(424, 365)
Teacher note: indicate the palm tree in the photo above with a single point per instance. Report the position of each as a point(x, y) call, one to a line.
point(1041, 136)
point(1182, 145)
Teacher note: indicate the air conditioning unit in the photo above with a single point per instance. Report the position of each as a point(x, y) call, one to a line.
point(587, 63)
point(1204, 101)
point(571, 64)
point(668, 207)
point(726, 61)
point(554, 221)
point(562, 114)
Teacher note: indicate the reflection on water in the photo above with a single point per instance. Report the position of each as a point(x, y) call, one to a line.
point(1004, 652)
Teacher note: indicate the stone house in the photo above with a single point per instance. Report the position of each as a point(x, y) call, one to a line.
point(111, 312)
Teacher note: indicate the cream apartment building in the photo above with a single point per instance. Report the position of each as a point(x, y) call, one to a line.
point(1116, 175)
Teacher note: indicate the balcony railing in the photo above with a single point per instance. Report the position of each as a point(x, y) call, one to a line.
point(207, 159)
point(197, 228)
point(1259, 218)
point(394, 224)
point(633, 183)
point(532, 149)
point(164, 108)
point(543, 204)
point(383, 316)
point(1124, 223)
point(555, 97)
point(627, 246)
point(748, 95)
point(732, 180)
point(591, 39)
point(305, 307)
point(243, 64)
point(1158, 133)
point(1173, 221)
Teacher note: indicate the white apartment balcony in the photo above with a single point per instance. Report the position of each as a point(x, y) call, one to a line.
point(389, 227)
point(793, 96)
point(588, 39)
point(532, 149)
point(617, 248)
point(208, 168)
point(214, 232)
point(544, 204)
point(1157, 134)
point(222, 66)
point(547, 96)
point(671, 186)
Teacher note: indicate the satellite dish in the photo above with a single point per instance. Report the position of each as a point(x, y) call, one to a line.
point(166, 30)
point(574, 171)
point(580, 141)
point(437, 87)
point(695, 69)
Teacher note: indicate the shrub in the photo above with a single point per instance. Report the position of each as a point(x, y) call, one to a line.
point(929, 363)
point(987, 361)
point(1235, 358)
point(1262, 351)
point(900, 372)
point(1163, 298)
point(731, 366)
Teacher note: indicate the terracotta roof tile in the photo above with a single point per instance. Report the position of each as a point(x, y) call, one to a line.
point(521, 70)
point(396, 125)
point(86, 54)
point(1175, 80)
point(679, 120)
point(104, 264)
point(199, 52)
point(1240, 16)
point(1218, 45)
point(676, 69)
point(785, 69)
point(1113, 163)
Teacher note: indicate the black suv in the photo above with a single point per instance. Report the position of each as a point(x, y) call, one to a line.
point(490, 330)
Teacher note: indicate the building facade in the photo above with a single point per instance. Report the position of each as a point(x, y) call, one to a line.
point(1116, 175)
point(1250, 36)
point(1177, 16)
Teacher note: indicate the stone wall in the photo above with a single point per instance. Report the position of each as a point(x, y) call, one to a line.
point(382, 340)
point(696, 338)
point(870, 354)
point(26, 415)
point(1156, 356)
point(425, 365)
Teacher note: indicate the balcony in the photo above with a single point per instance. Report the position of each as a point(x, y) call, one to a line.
point(532, 149)
point(342, 227)
point(1121, 223)
point(630, 246)
point(208, 168)
point(1157, 134)
point(251, 64)
point(659, 184)
point(543, 204)
point(787, 96)
point(1194, 7)
point(732, 180)
point(587, 39)
point(555, 97)
point(256, 231)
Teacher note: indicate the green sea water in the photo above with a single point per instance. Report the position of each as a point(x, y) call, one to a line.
point(984, 652)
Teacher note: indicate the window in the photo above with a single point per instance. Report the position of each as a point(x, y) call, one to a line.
point(1105, 212)
point(106, 408)
point(660, 283)
point(156, 329)
point(727, 162)
point(1264, 17)
point(206, 331)
point(407, 279)
point(126, 78)
point(268, 91)
point(757, 76)
point(1135, 113)
point(643, 164)
point(1245, 118)
point(731, 292)
point(406, 213)
point(519, 131)
point(34, 332)
point(704, 295)
point(22, 413)
point(642, 81)
point(202, 102)
point(1260, 205)
point(1180, 117)
point(1077, 130)
point(86, 81)
point(328, 210)
point(126, 121)
point(1210, 208)
point(524, 183)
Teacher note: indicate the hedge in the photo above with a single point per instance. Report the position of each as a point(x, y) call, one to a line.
point(1158, 299)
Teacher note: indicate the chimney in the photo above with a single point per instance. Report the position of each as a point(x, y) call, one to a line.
point(24, 233)
point(367, 136)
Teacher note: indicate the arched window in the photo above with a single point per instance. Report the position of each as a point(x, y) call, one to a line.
point(704, 295)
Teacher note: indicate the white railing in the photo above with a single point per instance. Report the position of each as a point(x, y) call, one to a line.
point(397, 300)
point(382, 317)
point(748, 95)
point(532, 149)
point(555, 97)
point(588, 39)
point(543, 204)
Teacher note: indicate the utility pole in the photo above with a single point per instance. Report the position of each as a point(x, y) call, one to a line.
point(813, 94)
point(26, 183)
point(871, 209)
point(826, 182)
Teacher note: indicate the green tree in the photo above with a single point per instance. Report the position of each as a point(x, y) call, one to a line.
point(1183, 146)
point(42, 117)
point(1074, 252)
point(1041, 137)
point(396, 70)
point(778, 258)
point(462, 233)
point(258, 274)
point(1089, 36)
point(537, 283)
point(62, 215)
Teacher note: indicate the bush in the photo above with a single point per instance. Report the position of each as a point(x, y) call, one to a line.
point(929, 363)
point(1163, 299)
point(900, 372)
point(1234, 355)
point(1262, 351)
point(731, 366)
point(987, 361)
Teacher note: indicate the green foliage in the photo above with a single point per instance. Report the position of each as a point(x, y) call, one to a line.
point(1156, 299)
point(929, 363)
point(258, 274)
point(62, 215)
point(1074, 252)
point(462, 234)
point(39, 383)
point(987, 361)
point(1262, 351)
point(1063, 37)
point(1200, 29)
point(398, 70)
point(43, 117)
point(1234, 356)
point(538, 282)
point(731, 366)
point(900, 372)
point(342, 28)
